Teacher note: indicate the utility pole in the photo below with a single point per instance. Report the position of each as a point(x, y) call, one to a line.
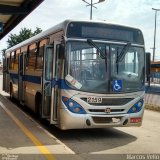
point(92, 5)
point(154, 44)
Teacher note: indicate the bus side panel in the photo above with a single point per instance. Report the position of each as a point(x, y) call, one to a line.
point(32, 86)
point(6, 80)
point(30, 93)
point(13, 83)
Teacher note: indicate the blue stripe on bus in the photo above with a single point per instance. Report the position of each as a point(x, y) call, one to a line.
point(14, 78)
point(35, 79)
point(13, 75)
point(29, 78)
point(61, 84)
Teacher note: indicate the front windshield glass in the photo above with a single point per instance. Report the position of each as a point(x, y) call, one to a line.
point(130, 69)
point(88, 71)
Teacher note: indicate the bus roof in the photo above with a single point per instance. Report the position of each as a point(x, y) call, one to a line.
point(39, 36)
point(56, 28)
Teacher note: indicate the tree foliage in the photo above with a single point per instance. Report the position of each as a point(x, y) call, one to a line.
point(23, 35)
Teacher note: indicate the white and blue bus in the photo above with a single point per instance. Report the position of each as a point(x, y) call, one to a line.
point(80, 74)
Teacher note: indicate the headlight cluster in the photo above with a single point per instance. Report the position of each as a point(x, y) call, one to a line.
point(136, 107)
point(73, 106)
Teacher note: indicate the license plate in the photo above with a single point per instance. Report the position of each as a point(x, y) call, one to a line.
point(94, 100)
point(116, 120)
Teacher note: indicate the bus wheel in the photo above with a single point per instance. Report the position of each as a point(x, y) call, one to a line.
point(38, 105)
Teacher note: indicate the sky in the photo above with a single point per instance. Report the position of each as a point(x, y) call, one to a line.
point(135, 13)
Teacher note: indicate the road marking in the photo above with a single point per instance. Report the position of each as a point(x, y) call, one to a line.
point(39, 126)
point(29, 134)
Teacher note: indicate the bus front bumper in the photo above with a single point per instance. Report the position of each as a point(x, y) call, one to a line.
point(70, 120)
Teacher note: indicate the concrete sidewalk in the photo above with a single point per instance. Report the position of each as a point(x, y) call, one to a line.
point(152, 97)
point(24, 138)
point(152, 101)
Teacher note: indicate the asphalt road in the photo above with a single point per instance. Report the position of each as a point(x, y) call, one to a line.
point(130, 140)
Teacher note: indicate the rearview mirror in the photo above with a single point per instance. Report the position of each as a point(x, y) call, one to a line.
point(148, 65)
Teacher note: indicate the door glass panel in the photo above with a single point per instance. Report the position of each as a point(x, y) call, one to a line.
point(47, 98)
point(21, 65)
point(48, 64)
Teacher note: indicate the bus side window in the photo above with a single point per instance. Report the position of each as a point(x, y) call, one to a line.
point(15, 67)
point(40, 51)
point(5, 64)
point(32, 57)
point(12, 56)
point(39, 60)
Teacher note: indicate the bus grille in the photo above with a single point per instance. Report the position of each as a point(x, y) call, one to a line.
point(105, 119)
point(104, 111)
point(110, 101)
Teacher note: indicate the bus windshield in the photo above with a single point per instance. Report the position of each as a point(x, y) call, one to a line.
point(89, 72)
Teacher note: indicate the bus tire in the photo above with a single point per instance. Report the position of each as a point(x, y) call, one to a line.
point(38, 105)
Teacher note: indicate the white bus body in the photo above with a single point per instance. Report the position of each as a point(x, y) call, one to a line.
point(80, 74)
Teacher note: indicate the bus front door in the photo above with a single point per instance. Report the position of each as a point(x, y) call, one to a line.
point(48, 87)
point(51, 77)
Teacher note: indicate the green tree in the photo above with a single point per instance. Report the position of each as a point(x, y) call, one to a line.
point(23, 35)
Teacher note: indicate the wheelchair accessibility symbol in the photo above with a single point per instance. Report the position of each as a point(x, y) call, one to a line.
point(117, 85)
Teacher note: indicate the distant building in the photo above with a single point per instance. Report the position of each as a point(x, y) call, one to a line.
point(155, 66)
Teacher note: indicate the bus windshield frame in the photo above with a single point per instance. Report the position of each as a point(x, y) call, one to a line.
point(87, 71)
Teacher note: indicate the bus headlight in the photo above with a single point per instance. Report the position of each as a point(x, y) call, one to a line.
point(136, 107)
point(73, 106)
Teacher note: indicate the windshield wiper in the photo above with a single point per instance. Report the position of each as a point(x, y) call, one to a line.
point(101, 54)
point(123, 52)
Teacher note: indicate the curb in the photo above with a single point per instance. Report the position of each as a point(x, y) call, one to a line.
point(152, 107)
